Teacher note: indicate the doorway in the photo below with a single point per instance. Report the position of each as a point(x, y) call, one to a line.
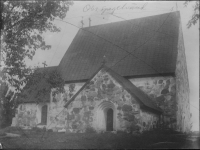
point(44, 115)
point(109, 120)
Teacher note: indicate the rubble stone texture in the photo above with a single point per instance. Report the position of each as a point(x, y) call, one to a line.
point(182, 88)
point(90, 107)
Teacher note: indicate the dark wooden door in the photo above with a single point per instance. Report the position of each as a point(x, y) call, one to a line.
point(109, 121)
point(44, 115)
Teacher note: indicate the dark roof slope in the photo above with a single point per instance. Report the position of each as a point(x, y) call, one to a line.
point(131, 88)
point(152, 40)
point(29, 95)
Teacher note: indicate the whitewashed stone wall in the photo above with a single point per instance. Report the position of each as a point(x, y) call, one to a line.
point(162, 90)
point(182, 84)
point(57, 113)
point(103, 92)
point(28, 114)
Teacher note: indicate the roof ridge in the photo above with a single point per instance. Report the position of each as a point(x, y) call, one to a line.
point(47, 67)
point(130, 19)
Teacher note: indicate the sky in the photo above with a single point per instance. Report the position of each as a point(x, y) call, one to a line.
point(98, 12)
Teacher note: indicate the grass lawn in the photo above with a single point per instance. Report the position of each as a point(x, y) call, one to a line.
point(53, 140)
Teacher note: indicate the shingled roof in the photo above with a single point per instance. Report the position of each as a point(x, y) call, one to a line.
point(138, 94)
point(152, 41)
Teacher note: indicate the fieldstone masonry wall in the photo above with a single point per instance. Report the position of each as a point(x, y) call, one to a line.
point(28, 114)
point(82, 112)
point(162, 90)
point(182, 85)
point(57, 113)
point(103, 92)
point(88, 110)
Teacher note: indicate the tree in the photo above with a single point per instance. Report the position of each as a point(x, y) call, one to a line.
point(195, 16)
point(7, 105)
point(40, 83)
point(23, 23)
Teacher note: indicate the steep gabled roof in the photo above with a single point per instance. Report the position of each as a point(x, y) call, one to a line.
point(152, 40)
point(140, 96)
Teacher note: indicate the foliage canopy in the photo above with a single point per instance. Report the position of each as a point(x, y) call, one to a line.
point(24, 22)
point(195, 16)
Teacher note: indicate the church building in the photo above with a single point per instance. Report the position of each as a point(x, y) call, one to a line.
point(122, 76)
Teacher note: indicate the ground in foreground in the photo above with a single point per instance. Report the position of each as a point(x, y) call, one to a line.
point(51, 140)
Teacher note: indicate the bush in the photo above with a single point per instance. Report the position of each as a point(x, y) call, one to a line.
point(2, 134)
point(15, 130)
point(11, 129)
point(49, 130)
point(36, 129)
point(90, 130)
point(162, 131)
point(121, 132)
point(44, 128)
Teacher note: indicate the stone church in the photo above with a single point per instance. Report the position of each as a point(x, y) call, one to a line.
point(123, 76)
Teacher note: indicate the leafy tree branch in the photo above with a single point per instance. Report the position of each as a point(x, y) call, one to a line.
point(195, 16)
point(40, 83)
point(23, 23)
